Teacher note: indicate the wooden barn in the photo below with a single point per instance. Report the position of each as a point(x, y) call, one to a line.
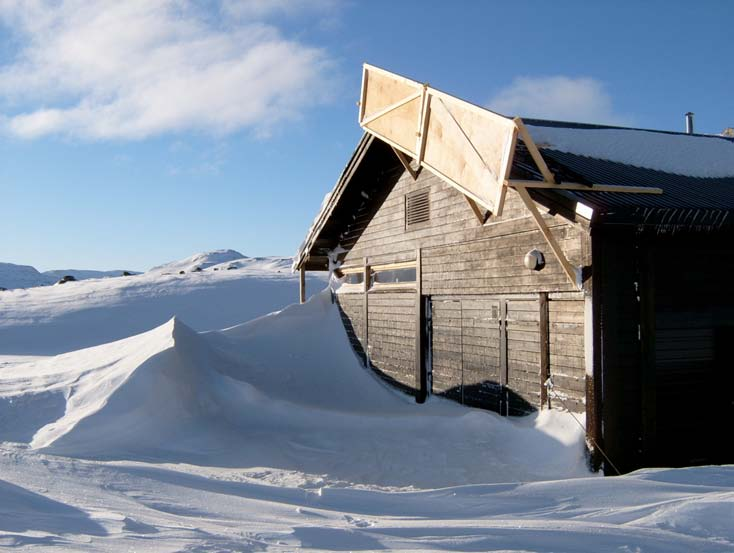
point(517, 265)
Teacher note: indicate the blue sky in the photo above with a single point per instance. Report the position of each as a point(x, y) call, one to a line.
point(133, 133)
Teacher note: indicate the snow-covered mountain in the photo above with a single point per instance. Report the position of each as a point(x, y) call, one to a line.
point(26, 276)
point(221, 260)
point(22, 276)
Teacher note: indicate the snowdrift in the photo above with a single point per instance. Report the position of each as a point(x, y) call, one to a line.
point(284, 391)
point(59, 319)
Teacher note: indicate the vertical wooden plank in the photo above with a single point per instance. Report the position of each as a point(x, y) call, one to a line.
point(503, 357)
point(363, 93)
point(423, 129)
point(420, 362)
point(544, 349)
point(592, 362)
point(366, 285)
point(302, 284)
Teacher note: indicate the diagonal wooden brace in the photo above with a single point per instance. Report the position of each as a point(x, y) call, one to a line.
point(557, 251)
point(390, 108)
point(481, 215)
point(405, 162)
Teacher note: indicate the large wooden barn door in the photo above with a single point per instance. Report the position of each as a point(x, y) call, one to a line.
point(485, 352)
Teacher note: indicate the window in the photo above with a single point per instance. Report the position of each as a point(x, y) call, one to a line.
point(394, 274)
point(354, 278)
point(417, 209)
point(390, 275)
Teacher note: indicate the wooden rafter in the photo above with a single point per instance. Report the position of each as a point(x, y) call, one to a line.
point(534, 152)
point(585, 187)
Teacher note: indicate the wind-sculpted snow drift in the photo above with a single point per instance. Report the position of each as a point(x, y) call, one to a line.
point(270, 436)
point(282, 391)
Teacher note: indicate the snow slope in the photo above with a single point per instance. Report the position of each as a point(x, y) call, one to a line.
point(52, 320)
point(270, 436)
point(85, 274)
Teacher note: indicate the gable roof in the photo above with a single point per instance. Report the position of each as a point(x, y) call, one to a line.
point(695, 172)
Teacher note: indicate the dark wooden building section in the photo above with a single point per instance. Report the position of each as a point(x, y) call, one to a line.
point(437, 302)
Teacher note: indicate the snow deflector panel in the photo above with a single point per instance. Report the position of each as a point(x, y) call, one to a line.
point(468, 146)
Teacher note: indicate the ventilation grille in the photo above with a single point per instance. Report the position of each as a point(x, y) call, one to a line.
point(417, 208)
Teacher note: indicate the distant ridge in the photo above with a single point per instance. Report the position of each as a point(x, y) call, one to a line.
point(25, 276)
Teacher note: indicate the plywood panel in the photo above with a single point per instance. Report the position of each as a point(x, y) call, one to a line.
point(467, 146)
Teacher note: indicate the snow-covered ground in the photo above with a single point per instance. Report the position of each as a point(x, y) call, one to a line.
point(270, 436)
point(56, 319)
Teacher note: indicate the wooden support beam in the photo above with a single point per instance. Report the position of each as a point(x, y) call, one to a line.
point(481, 216)
point(302, 284)
point(405, 162)
point(584, 187)
point(533, 150)
point(557, 251)
point(423, 124)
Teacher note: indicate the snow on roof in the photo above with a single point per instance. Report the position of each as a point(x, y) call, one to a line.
point(682, 154)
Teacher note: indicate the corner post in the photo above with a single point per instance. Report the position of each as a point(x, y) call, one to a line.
point(302, 284)
point(421, 387)
point(366, 283)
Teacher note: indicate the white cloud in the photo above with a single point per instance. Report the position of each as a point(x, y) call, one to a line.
point(110, 69)
point(562, 98)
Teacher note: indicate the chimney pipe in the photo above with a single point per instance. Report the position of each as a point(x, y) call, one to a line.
point(689, 123)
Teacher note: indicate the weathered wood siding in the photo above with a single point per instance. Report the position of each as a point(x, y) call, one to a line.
point(566, 344)
point(351, 308)
point(523, 355)
point(460, 255)
point(475, 276)
point(391, 336)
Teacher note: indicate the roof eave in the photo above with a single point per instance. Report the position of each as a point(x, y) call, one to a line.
point(327, 209)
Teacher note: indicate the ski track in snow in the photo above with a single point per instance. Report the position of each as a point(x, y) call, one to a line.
point(270, 436)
